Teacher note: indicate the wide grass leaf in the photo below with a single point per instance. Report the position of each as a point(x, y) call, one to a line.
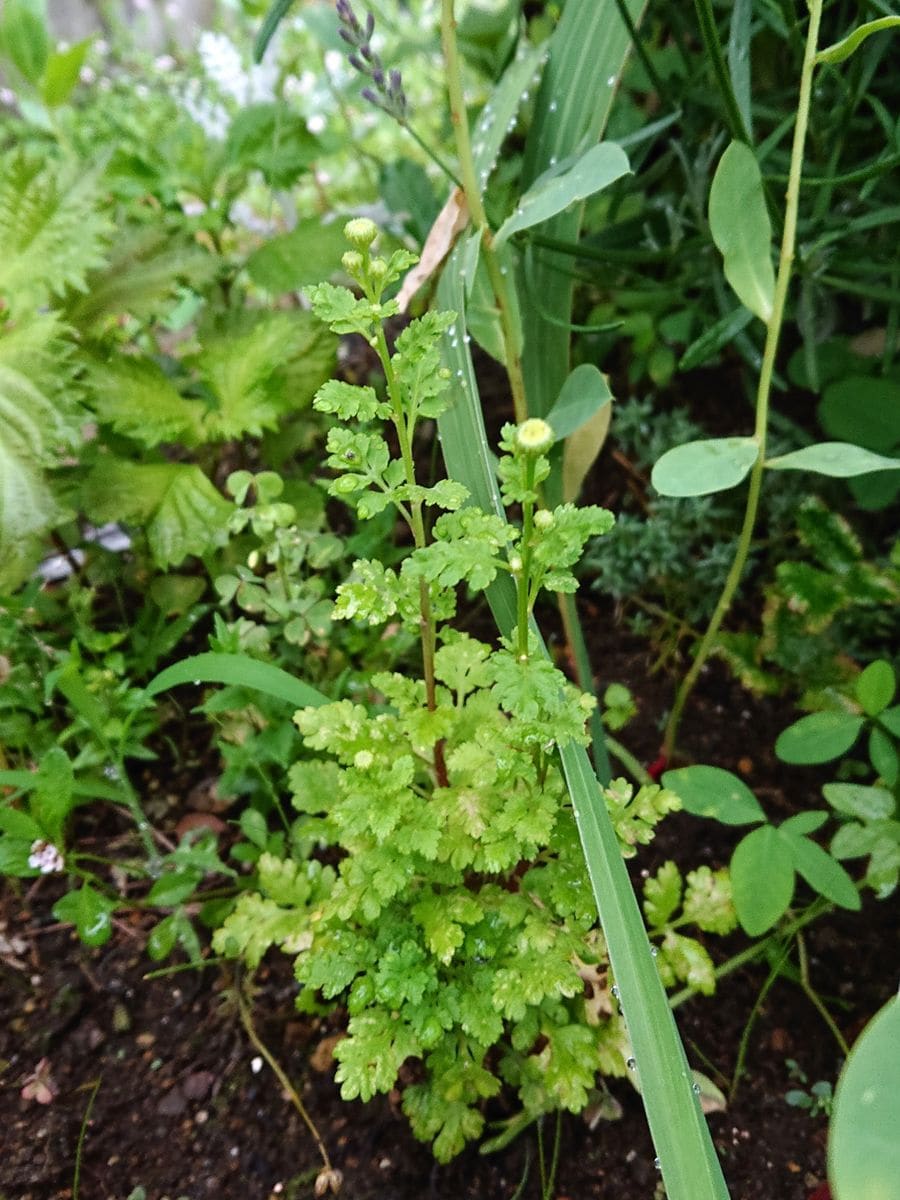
point(241, 670)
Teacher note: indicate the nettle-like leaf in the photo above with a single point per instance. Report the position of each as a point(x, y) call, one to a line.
point(259, 366)
point(136, 398)
point(37, 418)
point(51, 229)
point(181, 511)
point(145, 267)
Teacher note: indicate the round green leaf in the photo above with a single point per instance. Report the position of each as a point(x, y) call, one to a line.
point(841, 460)
point(714, 792)
point(699, 468)
point(863, 1146)
point(818, 738)
point(876, 686)
point(762, 879)
point(89, 911)
point(866, 803)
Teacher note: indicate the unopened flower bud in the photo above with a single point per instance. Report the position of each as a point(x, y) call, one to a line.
point(534, 435)
point(363, 759)
point(361, 232)
point(352, 262)
point(543, 518)
point(515, 564)
point(253, 560)
point(378, 268)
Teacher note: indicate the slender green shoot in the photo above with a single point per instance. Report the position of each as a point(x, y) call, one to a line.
point(773, 333)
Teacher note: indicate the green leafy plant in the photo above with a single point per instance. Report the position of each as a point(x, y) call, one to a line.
point(455, 918)
point(765, 863)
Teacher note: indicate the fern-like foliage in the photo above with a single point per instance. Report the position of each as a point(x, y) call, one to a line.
point(51, 229)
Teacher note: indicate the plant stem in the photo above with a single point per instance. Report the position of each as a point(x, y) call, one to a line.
point(82, 1134)
point(815, 999)
point(523, 579)
point(773, 332)
point(815, 910)
point(280, 1074)
point(624, 756)
point(427, 628)
point(472, 192)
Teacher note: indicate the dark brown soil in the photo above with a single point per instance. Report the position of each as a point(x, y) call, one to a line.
point(185, 1108)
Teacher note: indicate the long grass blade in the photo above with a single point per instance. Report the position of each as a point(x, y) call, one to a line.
point(588, 52)
point(687, 1159)
point(237, 669)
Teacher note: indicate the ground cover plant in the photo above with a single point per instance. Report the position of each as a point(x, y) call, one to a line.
point(231, 459)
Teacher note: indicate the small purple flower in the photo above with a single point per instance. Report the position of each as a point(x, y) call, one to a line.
point(387, 90)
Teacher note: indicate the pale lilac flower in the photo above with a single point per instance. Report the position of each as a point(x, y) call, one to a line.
point(45, 857)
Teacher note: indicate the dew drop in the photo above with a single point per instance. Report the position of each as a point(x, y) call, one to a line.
point(614, 991)
point(657, 1163)
point(611, 82)
point(654, 950)
point(696, 1089)
point(631, 1064)
point(553, 106)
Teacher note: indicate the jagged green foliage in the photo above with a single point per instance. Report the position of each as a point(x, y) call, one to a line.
point(52, 230)
point(458, 926)
point(38, 420)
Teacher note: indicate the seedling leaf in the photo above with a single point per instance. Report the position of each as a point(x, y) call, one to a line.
point(840, 460)
point(700, 468)
point(740, 227)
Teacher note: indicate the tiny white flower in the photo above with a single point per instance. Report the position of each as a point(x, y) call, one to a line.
point(45, 857)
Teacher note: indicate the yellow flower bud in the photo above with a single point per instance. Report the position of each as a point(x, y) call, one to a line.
point(534, 435)
point(361, 232)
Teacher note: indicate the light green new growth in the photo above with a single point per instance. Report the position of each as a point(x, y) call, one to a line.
point(458, 919)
